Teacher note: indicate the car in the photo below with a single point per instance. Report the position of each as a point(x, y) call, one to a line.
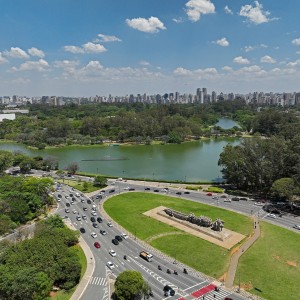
point(67, 210)
point(156, 191)
point(71, 195)
point(85, 208)
point(168, 291)
point(235, 199)
point(209, 194)
point(98, 197)
point(82, 201)
point(66, 196)
point(124, 236)
point(93, 220)
point(95, 225)
point(73, 199)
point(228, 298)
point(103, 191)
point(103, 232)
point(259, 204)
point(131, 189)
point(74, 211)
point(78, 218)
point(93, 213)
point(164, 190)
point(59, 195)
point(227, 200)
point(99, 220)
point(115, 241)
point(93, 208)
point(97, 245)
point(244, 198)
point(296, 227)
point(94, 235)
point(178, 193)
point(111, 191)
point(271, 216)
point(84, 217)
point(215, 197)
point(186, 192)
point(126, 188)
point(118, 238)
point(109, 224)
point(112, 252)
point(223, 196)
point(88, 201)
point(147, 189)
point(110, 265)
point(68, 204)
point(82, 230)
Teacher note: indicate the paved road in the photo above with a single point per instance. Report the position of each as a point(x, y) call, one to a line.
point(97, 288)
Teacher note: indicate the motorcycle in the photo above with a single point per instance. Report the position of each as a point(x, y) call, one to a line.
point(185, 271)
point(159, 268)
point(125, 257)
point(175, 272)
point(168, 271)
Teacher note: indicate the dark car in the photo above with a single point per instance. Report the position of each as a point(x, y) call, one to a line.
point(178, 193)
point(115, 241)
point(147, 189)
point(235, 199)
point(71, 195)
point(59, 195)
point(103, 191)
point(93, 219)
point(156, 191)
point(119, 238)
point(68, 204)
point(99, 220)
point(168, 291)
point(131, 189)
point(186, 192)
point(103, 232)
point(82, 230)
point(95, 225)
point(111, 191)
point(85, 208)
point(88, 201)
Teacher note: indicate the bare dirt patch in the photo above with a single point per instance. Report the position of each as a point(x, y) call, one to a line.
point(247, 286)
point(276, 257)
point(292, 263)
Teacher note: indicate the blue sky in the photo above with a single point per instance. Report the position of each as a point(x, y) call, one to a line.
point(119, 47)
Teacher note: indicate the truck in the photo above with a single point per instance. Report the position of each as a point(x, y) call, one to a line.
point(145, 255)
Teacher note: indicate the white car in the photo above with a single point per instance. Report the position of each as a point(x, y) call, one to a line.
point(74, 211)
point(215, 197)
point(227, 200)
point(94, 235)
point(271, 216)
point(94, 213)
point(126, 188)
point(109, 224)
point(124, 236)
point(78, 218)
point(112, 252)
point(258, 203)
point(110, 265)
point(296, 227)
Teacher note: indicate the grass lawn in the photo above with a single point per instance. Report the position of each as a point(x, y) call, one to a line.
point(127, 209)
point(66, 295)
point(272, 264)
point(79, 185)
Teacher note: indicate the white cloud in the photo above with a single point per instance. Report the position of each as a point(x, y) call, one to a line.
point(267, 59)
point(36, 52)
point(93, 48)
point(294, 63)
point(296, 42)
point(21, 80)
point(144, 63)
point(222, 42)
point(228, 10)
point(255, 14)
point(227, 69)
point(86, 48)
point(151, 25)
point(2, 59)
point(73, 49)
point(179, 20)
point(40, 65)
point(195, 8)
point(208, 73)
point(252, 48)
point(16, 52)
point(240, 60)
point(108, 38)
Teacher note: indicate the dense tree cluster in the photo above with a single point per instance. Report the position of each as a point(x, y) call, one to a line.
point(269, 163)
point(29, 269)
point(22, 199)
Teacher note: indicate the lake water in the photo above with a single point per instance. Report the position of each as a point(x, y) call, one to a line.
point(227, 123)
point(192, 161)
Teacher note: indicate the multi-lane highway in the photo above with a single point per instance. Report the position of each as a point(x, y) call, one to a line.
point(186, 286)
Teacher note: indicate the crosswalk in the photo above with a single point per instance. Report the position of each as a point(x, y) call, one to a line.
point(98, 281)
point(215, 295)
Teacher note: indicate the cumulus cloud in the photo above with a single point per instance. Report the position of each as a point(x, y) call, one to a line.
point(227, 69)
point(294, 63)
point(195, 8)
point(86, 48)
point(255, 14)
point(40, 65)
point(296, 42)
point(228, 10)
point(208, 73)
point(2, 59)
point(241, 60)
point(177, 20)
point(252, 48)
point(108, 38)
point(16, 52)
point(222, 42)
point(151, 25)
point(267, 59)
point(144, 63)
point(36, 52)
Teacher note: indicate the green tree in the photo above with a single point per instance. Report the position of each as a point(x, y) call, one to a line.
point(130, 285)
point(6, 224)
point(6, 160)
point(100, 181)
point(285, 188)
point(72, 168)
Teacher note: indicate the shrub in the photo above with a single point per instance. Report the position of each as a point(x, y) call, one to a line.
point(214, 189)
point(194, 187)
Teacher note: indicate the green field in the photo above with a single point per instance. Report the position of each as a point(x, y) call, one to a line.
point(127, 209)
point(78, 185)
point(272, 264)
point(66, 295)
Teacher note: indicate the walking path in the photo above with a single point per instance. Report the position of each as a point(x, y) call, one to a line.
point(239, 252)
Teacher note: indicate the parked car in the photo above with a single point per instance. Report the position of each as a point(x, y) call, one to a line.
point(178, 193)
point(131, 189)
point(93, 213)
point(235, 199)
point(186, 192)
point(124, 236)
point(215, 197)
point(272, 216)
point(85, 208)
point(84, 217)
point(78, 218)
point(156, 191)
point(227, 200)
point(68, 204)
point(111, 191)
point(67, 210)
point(296, 227)
point(97, 245)
point(88, 201)
point(147, 189)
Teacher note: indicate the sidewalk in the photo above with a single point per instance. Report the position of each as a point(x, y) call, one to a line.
point(241, 250)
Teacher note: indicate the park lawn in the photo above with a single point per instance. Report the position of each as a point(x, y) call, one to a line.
point(66, 295)
point(79, 185)
point(127, 210)
point(272, 264)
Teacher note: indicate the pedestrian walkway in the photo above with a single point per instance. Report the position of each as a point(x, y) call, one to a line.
point(98, 281)
point(238, 253)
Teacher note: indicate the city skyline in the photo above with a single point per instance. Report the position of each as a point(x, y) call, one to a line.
point(76, 48)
